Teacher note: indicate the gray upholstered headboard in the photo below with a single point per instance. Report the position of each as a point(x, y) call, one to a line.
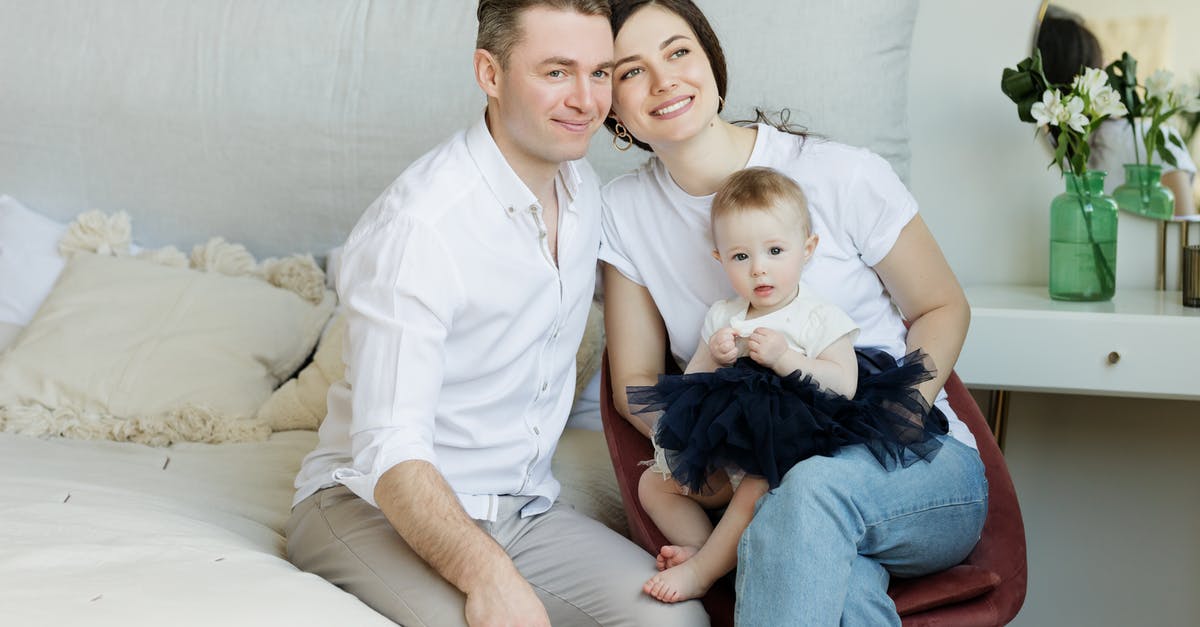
point(276, 122)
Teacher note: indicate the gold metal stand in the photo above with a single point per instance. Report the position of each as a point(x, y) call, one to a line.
point(998, 415)
point(1161, 283)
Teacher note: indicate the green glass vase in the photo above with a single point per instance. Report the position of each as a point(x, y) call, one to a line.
point(1143, 193)
point(1083, 240)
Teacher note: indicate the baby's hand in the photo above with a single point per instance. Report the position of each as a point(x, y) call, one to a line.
point(766, 346)
point(723, 347)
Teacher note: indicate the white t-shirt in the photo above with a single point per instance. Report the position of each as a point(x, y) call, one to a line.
point(809, 323)
point(1113, 147)
point(658, 236)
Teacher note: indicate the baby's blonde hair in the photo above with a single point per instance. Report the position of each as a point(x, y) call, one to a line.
point(760, 189)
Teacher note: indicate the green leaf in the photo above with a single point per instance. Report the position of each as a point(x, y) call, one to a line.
point(1024, 85)
point(1167, 156)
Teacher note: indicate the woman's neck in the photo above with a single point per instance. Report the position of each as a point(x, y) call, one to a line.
point(699, 165)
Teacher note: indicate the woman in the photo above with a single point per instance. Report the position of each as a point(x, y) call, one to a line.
point(821, 546)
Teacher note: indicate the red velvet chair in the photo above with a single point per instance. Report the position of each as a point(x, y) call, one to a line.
point(986, 589)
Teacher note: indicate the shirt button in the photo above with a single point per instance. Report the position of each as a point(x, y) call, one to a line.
point(537, 431)
point(545, 385)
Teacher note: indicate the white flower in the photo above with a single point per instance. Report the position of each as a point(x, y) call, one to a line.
point(1187, 97)
point(1049, 110)
point(1108, 102)
point(1158, 86)
point(1072, 114)
point(1090, 83)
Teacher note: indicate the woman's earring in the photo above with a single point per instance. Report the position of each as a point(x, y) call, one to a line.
point(621, 134)
point(721, 99)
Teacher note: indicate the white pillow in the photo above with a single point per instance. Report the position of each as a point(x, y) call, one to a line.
point(29, 260)
point(127, 349)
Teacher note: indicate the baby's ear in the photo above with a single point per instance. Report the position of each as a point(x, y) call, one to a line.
point(716, 254)
point(810, 245)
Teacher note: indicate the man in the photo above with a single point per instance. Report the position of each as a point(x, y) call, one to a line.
point(466, 287)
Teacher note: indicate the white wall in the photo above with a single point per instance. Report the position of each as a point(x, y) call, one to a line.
point(1110, 488)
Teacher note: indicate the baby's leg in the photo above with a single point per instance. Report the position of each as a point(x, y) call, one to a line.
point(691, 578)
point(676, 512)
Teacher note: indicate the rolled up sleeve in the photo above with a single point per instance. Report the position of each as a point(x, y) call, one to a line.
point(400, 291)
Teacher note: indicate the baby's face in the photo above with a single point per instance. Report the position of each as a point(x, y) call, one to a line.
point(763, 254)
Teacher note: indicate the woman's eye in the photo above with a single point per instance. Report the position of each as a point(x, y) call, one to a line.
point(631, 73)
point(679, 53)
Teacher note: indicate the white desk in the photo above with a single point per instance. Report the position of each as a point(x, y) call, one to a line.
point(1143, 343)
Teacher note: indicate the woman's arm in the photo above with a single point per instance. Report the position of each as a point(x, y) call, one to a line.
point(1180, 184)
point(925, 289)
point(637, 340)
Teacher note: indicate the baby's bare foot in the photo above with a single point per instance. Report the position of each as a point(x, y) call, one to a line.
point(670, 555)
point(678, 583)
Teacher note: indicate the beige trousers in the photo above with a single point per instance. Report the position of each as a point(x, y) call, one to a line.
point(583, 572)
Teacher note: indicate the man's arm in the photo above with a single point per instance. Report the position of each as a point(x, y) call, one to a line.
point(423, 509)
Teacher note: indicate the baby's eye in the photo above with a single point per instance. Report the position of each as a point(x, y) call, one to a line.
point(775, 250)
point(740, 257)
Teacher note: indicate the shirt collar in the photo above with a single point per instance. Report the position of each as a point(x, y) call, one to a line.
point(510, 191)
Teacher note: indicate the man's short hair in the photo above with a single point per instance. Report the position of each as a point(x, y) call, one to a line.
point(761, 189)
point(500, 21)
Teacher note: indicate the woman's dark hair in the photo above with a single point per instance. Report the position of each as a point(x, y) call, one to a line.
point(707, 38)
point(1067, 46)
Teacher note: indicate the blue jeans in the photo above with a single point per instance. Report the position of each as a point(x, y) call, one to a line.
point(823, 545)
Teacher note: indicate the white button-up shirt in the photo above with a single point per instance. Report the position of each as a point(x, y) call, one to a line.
point(462, 331)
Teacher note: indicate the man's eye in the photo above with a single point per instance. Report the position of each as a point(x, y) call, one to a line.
point(555, 74)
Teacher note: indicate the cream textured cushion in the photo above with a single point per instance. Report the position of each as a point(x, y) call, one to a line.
point(126, 349)
point(582, 465)
point(300, 402)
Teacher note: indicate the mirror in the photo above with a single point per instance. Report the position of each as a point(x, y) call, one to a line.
point(1160, 34)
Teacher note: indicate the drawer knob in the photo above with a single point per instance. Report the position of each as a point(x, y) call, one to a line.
point(1114, 357)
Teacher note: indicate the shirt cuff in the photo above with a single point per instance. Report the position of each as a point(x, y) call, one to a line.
point(376, 458)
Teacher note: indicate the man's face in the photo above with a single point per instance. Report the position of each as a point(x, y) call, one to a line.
point(556, 89)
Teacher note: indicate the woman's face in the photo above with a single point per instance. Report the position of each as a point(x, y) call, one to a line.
point(664, 91)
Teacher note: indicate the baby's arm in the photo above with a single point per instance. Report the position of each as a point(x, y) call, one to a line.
point(835, 369)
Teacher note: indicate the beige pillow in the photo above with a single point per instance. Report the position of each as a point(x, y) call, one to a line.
point(126, 349)
point(300, 402)
point(582, 465)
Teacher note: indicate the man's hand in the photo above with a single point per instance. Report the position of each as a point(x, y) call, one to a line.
point(723, 346)
point(508, 601)
point(767, 346)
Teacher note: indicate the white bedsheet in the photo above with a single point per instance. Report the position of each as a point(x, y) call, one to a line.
point(100, 533)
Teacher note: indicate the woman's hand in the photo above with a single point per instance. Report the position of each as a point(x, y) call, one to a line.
point(766, 346)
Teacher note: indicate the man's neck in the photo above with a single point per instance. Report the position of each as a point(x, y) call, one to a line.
point(699, 165)
point(537, 175)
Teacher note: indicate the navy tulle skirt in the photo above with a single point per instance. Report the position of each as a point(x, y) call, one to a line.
point(746, 416)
